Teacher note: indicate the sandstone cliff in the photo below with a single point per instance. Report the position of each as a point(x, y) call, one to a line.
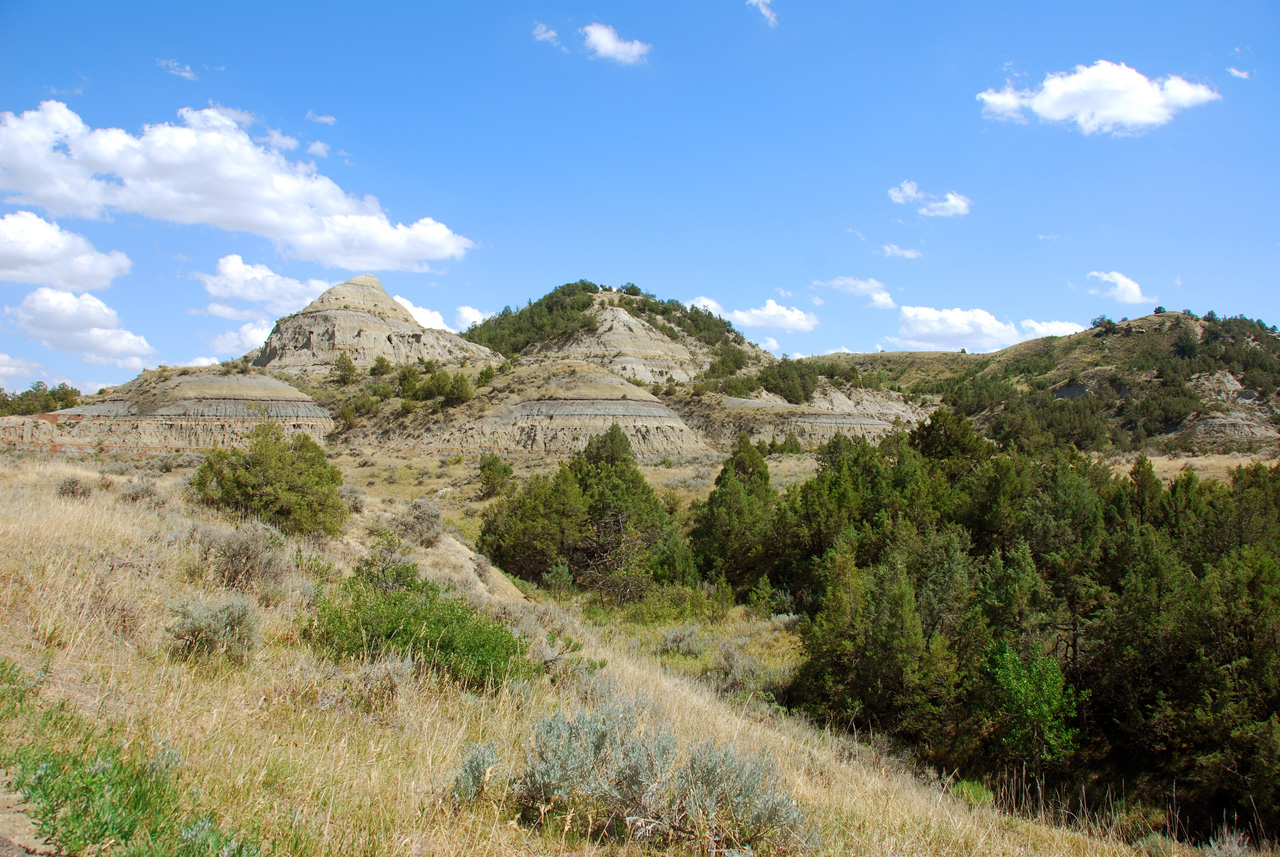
point(152, 413)
point(359, 319)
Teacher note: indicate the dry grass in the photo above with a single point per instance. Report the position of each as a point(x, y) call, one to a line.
point(279, 747)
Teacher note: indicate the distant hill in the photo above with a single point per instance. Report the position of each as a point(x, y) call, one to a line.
point(1171, 379)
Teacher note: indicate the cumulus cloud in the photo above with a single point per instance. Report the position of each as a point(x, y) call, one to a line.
point(1235, 72)
point(197, 362)
point(769, 344)
point(257, 284)
point(869, 288)
point(423, 316)
point(278, 140)
point(771, 316)
point(892, 250)
point(603, 41)
point(1105, 97)
point(207, 170)
point(35, 251)
point(79, 324)
point(176, 68)
point(16, 367)
point(949, 204)
point(543, 33)
point(840, 350)
point(1123, 289)
point(319, 149)
point(250, 335)
point(323, 119)
point(469, 315)
point(927, 329)
point(764, 7)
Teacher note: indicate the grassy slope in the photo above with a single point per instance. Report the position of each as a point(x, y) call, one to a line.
point(276, 748)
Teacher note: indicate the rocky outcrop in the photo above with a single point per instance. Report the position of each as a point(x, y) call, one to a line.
point(154, 413)
point(868, 414)
point(359, 319)
point(629, 346)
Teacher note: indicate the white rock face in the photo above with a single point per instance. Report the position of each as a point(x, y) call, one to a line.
point(199, 410)
point(359, 319)
point(630, 347)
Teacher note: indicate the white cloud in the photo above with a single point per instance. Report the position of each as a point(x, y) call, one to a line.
point(278, 140)
point(79, 324)
point(904, 193)
point(229, 312)
point(783, 292)
point(543, 33)
point(870, 288)
point(840, 350)
point(319, 149)
point(251, 335)
point(202, 361)
point(469, 315)
point(257, 284)
point(817, 300)
point(892, 250)
point(769, 344)
point(320, 117)
point(207, 170)
point(1235, 72)
point(771, 316)
point(16, 367)
point(177, 68)
point(604, 42)
point(928, 329)
point(425, 317)
point(1123, 289)
point(1104, 97)
point(35, 251)
point(948, 205)
point(764, 7)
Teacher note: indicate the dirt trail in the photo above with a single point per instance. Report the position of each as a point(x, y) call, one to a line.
point(18, 836)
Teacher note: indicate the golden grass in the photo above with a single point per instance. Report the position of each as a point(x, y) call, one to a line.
point(277, 748)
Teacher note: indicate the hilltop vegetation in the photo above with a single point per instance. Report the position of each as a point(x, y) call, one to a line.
point(566, 311)
point(39, 398)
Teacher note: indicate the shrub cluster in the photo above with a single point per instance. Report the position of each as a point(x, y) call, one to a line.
point(384, 610)
point(40, 398)
point(420, 524)
point(227, 627)
point(616, 773)
point(285, 481)
point(74, 489)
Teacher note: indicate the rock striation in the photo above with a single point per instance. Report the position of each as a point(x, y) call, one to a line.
point(360, 319)
point(154, 413)
point(630, 347)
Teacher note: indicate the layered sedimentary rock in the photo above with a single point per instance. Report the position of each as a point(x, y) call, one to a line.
point(867, 414)
point(198, 410)
point(630, 347)
point(359, 319)
point(555, 407)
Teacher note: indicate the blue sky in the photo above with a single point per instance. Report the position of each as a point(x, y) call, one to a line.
point(827, 175)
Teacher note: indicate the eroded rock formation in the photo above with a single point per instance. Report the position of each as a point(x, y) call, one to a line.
point(155, 413)
point(360, 319)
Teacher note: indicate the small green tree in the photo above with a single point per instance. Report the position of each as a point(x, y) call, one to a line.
point(381, 366)
point(344, 371)
point(285, 481)
point(459, 390)
point(495, 475)
point(486, 376)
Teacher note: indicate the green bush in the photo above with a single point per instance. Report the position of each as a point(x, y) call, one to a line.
point(385, 611)
point(343, 370)
point(226, 627)
point(495, 475)
point(286, 482)
point(74, 489)
point(420, 524)
point(472, 780)
point(245, 558)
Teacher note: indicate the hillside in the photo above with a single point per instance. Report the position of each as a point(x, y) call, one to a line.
point(1170, 381)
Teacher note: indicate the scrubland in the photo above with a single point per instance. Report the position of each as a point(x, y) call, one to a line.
point(297, 754)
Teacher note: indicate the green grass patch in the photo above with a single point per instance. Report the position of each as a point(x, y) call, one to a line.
point(92, 790)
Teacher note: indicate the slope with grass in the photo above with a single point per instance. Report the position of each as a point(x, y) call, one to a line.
point(296, 752)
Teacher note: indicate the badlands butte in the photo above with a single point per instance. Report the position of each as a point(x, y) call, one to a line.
point(354, 366)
